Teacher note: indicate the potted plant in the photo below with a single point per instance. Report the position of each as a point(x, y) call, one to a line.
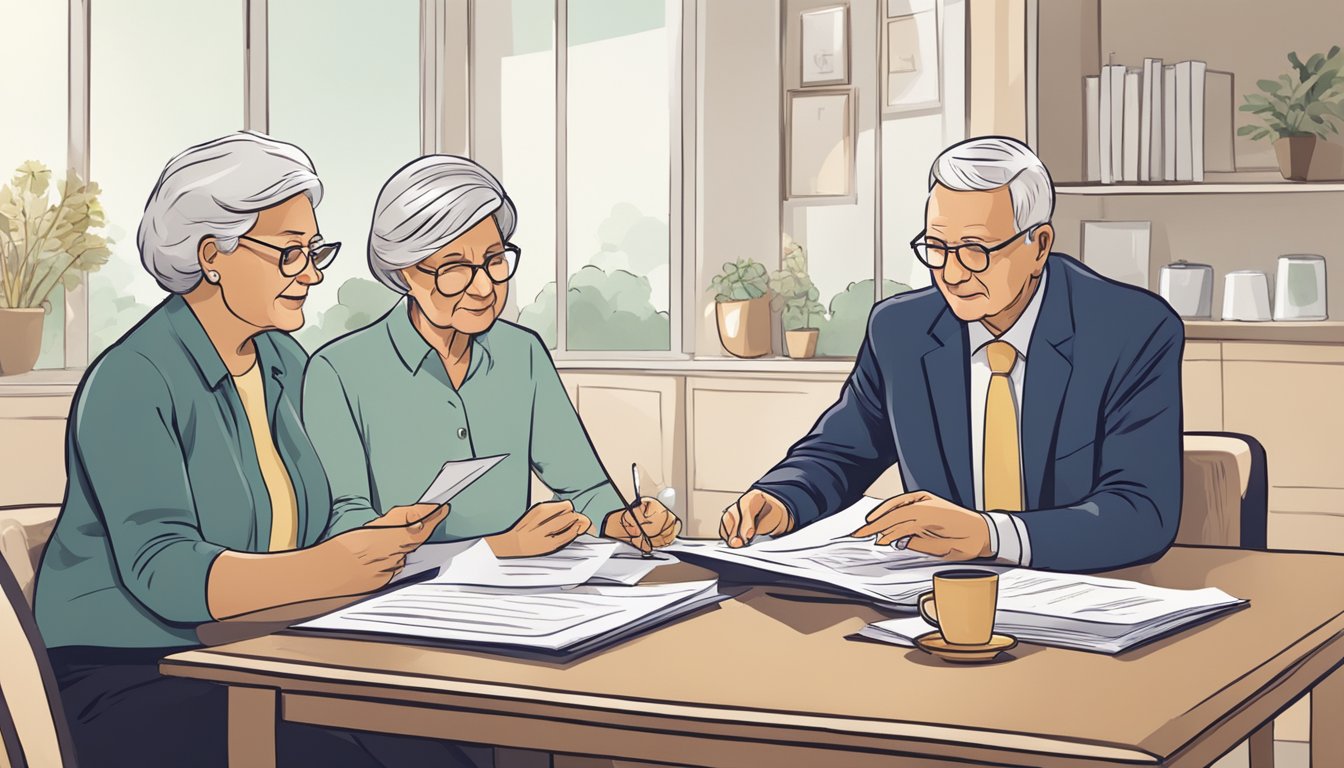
point(796, 296)
point(1298, 112)
point(42, 245)
point(742, 306)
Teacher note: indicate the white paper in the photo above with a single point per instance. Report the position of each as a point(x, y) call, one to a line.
point(628, 567)
point(455, 476)
point(825, 552)
point(1088, 613)
point(548, 619)
point(571, 565)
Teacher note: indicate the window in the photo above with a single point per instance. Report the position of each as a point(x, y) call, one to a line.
point(164, 75)
point(617, 206)
point(345, 87)
point(35, 129)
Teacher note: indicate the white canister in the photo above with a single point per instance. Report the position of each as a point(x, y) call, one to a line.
point(1246, 296)
point(1299, 290)
point(1188, 288)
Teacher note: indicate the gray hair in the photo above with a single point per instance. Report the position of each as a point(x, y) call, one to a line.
point(216, 189)
point(428, 203)
point(990, 162)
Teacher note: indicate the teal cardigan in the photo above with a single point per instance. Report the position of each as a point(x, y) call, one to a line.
point(162, 478)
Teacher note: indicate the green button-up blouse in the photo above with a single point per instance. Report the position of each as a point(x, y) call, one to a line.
point(162, 477)
point(380, 408)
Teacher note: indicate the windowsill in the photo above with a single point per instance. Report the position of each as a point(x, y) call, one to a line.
point(47, 382)
point(694, 365)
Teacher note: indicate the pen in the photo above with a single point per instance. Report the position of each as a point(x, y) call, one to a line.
point(634, 473)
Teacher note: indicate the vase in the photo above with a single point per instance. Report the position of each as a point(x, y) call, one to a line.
point(744, 326)
point(1309, 158)
point(801, 342)
point(20, 339)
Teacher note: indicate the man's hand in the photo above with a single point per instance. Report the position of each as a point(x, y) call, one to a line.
point(367, 558)
point(658, 522)
point(935, 526)
point(546, 527)
point(755, 513)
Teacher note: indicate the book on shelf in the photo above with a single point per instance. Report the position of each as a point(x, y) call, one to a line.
point(1115, 111)
point(1091, 121)
point(1130, 131)
point(1197, 69)
point(1169, 122)
point(1150, 122)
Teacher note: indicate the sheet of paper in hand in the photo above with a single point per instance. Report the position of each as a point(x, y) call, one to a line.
point(457, 475)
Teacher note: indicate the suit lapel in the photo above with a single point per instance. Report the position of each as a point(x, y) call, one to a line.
point(947, 377)
point(1049, 366)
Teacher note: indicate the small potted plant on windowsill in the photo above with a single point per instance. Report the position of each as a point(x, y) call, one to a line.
point(42, 245)
point(796, 296)
point(1299, 113)
point(742, 307)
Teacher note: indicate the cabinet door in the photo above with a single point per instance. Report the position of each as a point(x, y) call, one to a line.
point(32, 451)
point(1202, 386)
point(633, 418)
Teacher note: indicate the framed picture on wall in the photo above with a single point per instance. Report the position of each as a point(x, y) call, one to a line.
point(819, 141)
point(825, 46)
point(911, 73)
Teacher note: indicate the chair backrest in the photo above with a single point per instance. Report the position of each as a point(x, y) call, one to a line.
point(24, 531)
point(1225, 497)
point(31, 700)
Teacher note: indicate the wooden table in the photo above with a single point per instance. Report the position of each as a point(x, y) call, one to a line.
point(772, 677)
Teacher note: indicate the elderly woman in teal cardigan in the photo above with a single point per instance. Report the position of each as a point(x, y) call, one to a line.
point(193, 491)
point(440, 377)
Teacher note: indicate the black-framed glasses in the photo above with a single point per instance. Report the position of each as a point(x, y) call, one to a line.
point(295, 259)
point(933, 252)
point(453, 279)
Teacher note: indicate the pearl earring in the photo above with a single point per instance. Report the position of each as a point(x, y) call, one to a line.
point(212, 276)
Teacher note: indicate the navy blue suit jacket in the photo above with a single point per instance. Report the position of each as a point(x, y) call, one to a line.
point(1101, 420)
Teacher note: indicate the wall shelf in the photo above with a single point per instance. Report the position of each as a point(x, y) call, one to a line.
point(1204, 188)
point(1306, 332)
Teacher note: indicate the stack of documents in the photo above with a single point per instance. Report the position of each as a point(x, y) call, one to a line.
point(1086, 613)
point(585, 560)
point(544, 619)
point(825, 554)
point(1065, 610)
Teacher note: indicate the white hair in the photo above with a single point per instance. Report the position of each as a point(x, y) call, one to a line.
point(427, 204)
point(216, 189)
point(990, 162)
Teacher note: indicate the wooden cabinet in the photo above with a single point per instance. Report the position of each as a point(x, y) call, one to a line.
point(1202, 386)
point(32, 448)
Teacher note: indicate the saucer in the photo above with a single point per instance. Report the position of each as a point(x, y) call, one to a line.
point(934, 643)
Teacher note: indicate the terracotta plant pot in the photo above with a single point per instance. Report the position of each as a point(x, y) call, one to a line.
point(744, 326)
point(1309, 158)
point(20, 339)
point(801, 343)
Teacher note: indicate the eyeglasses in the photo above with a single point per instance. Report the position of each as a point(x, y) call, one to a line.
point(295, 259)
point(933, 252)
point(499, 266)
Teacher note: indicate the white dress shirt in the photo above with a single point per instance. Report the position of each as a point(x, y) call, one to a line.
point(1007, 533)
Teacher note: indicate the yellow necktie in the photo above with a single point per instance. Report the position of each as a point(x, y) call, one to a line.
point(1003, 465)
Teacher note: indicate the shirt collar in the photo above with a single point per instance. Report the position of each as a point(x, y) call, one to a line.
point(414, 350)
point(194, 340)
point(1019, 335)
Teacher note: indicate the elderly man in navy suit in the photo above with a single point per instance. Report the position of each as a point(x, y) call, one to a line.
point(1033, 406)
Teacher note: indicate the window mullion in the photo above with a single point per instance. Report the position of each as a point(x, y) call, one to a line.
point(77, 159)
point(561, 175)
point(256, 66)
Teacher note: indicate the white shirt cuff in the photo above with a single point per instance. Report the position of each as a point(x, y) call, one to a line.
point(1008, 539)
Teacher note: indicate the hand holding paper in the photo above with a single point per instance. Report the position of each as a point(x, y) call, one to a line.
point(456, 476)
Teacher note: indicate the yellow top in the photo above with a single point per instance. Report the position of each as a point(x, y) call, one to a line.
point(284, 508)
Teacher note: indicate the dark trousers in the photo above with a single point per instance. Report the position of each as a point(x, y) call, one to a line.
point(122, 712)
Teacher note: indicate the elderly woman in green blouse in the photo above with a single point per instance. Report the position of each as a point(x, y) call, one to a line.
point(193, 491)
point(441, 377)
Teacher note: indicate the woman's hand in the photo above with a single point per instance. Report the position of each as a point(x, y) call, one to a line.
point(546, 527)
point(365, 559)
point(658, 522)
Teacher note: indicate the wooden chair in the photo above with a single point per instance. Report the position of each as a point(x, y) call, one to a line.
point(32, 722)
point(1225, 503)
point(24, 530)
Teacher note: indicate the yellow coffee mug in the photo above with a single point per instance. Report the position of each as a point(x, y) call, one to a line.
point(962, 605)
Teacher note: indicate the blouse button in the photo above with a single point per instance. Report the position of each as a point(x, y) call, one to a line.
point(461, 433)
